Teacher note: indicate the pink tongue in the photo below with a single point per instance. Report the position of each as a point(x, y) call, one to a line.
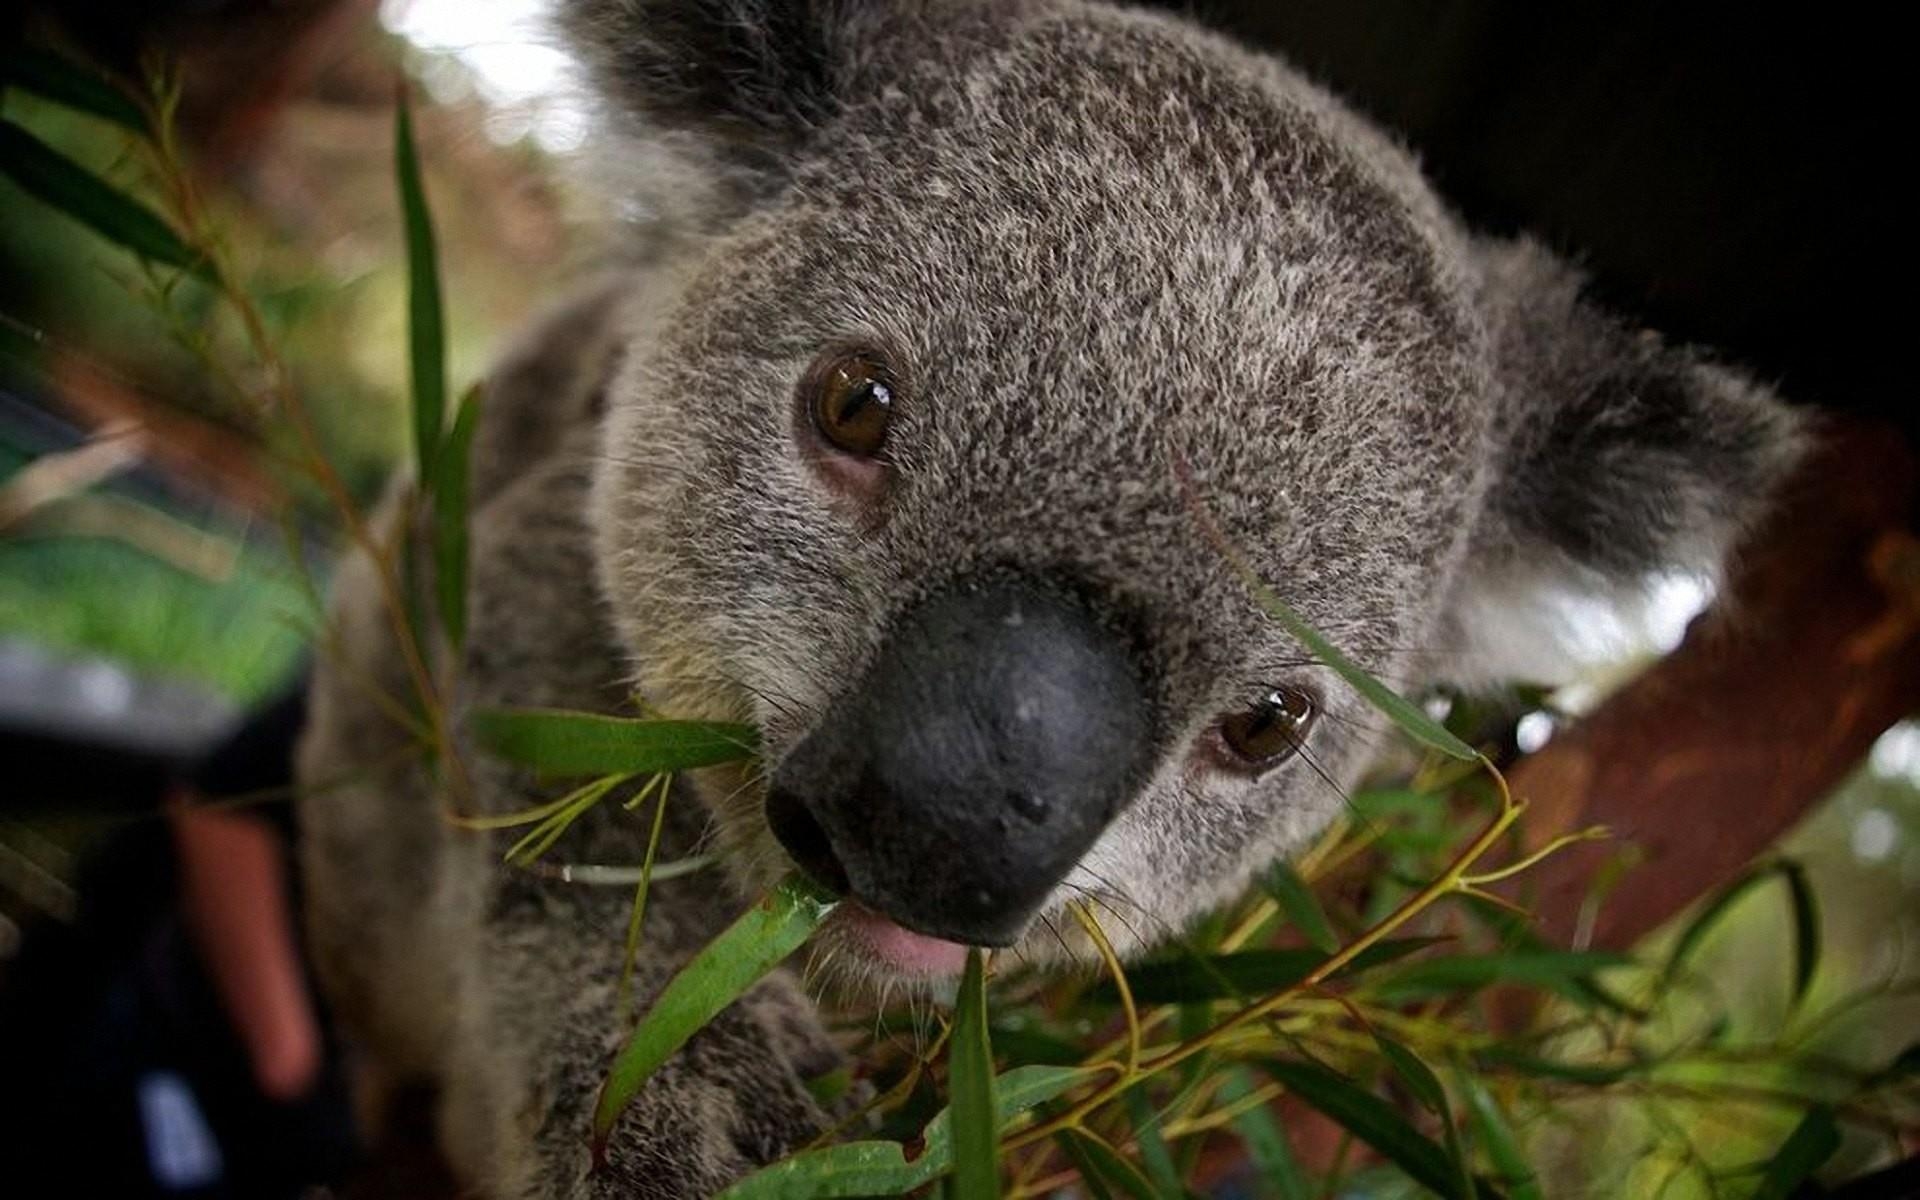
point(915, 953)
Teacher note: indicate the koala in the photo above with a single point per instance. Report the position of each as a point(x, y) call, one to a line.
point(891, 435)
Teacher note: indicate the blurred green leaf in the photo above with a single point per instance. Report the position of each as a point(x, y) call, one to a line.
point(559, 742)
point(1495, 1134)
point(754, 944)
point(1812, 1142)
point(1154, 1155)
point(976, 1160)
point(1105, 1169)
point(1806, 921)
point(426, 330)
point(1417, 1075)
point(57, 180)
point(1560, 971)
point(881, 1168)
point(1246, 972)
point(1594, 1074)
point(1296, 900)
point(1373, 1121)
point(67, 82)
point(1426, 1088)
point(1265, 1141)
point(450, 518)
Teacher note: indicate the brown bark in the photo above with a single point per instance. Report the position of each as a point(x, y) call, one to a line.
point(1776, 693)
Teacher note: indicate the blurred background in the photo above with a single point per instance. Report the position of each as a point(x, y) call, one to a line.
point(158, 562)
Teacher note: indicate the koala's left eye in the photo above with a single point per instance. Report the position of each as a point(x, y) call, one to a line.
point(1271, 730)
point(850, 397)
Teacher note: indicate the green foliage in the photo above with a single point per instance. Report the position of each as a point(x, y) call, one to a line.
point(426, 328)
point(554, 742)
point(65, 185)
point(60, 79)
point(753, 945)
point(976, 1161)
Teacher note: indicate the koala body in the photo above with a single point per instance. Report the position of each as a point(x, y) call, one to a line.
point(949, 318)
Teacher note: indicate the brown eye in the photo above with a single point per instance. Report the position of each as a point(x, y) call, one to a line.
point(1271, 730)
point(851, 399)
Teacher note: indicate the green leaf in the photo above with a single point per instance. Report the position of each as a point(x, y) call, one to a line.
point(1373, 1121)
point(1296, 900)
point(1427, 1090)
point(1266, 1142)
point(1247, 972)
point(727, 966)
point(1812, 1142)
point(1101, 1164)
point(1495, 1134)
point(44, 172)
point(1806, 922)
point(882, 1168)
point(1559, 971)
point(976, 1165)
point(1594, 1074)
point(559, 742)
point(450, 519)
point(1806, 928)
point(426, 333)
point(1396, 708)
point(1074, 1145)
point(1154, 1155)
point(70, 83)
point(1417, 1075)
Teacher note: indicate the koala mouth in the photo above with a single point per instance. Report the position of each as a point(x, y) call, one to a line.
point(900, 948)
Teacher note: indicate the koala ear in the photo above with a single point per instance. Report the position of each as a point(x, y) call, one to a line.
point(1618, 459)
point(739, 84)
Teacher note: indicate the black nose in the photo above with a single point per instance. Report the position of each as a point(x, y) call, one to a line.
point(997, 732)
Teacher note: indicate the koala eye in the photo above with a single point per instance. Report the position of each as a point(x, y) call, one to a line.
point(1270, 731)
point(850, 397)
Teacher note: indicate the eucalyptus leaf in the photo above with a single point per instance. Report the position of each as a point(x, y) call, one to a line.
point(1296, 900)
point(1155, 1158)
point(1266, 1142)
point(1812, 1142)
point(1560, 971)
point(872, 1168)
point(52, 177)
point(1806, 921)
point(1100, 1163)
point(426, 329)
point(559, 742)
point(725, 968)
point(60, 79)
point(1371, 1120)
point(1246, 973)
point(450, 519)
point(976, 1165)
point(1495, 1136)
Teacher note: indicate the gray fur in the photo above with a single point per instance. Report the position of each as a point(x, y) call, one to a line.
point(1098, 242)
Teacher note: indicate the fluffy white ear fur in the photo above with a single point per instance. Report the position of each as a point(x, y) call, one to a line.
point(1627, 467)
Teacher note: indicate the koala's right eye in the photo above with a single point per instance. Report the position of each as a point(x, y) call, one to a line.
point(850, 398)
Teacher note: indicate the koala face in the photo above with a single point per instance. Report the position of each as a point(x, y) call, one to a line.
point(975, 306)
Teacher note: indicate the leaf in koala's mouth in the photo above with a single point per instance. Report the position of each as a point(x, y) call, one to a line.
point(718, 975)
point(557, 742)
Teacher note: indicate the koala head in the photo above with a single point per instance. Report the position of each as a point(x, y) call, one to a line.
point(955, 313)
